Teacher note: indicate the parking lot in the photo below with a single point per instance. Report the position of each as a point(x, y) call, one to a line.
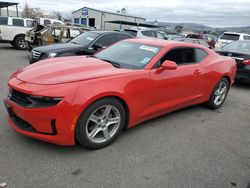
point(194, 147)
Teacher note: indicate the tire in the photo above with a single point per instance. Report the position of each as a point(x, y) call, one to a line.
point(219, 94)
point(20, 43)
point(12, 44)
point(94, 128)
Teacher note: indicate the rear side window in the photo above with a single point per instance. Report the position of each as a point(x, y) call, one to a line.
point(227, 36)
point(200, 54)
point(181, 56)
point(246, 37)
point(18, 22)
point(3, 21)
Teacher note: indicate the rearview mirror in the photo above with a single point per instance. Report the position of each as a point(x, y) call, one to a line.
point(97, 46)
point(168, 65)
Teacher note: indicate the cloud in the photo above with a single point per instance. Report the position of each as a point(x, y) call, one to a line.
point(211, 13)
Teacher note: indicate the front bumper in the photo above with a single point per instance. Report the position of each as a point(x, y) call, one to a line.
point(54, 124)
point(45, 124)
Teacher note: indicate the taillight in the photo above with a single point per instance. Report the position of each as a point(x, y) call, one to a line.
point(246, 61)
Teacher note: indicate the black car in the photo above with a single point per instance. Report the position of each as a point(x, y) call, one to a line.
point(85, 44)
point(240, 51)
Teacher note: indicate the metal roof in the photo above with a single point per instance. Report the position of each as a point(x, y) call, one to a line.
point(7, 4)
point(109, 12)
point(132, 23)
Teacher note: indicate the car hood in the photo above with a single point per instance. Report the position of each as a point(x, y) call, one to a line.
point(68, 69)
point(59, 47)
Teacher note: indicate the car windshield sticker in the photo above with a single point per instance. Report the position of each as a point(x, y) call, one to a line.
point(89, 38)
point(145, 60)
point(149, 48)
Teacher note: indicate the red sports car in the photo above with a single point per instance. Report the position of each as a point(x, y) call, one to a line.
point(91, 99)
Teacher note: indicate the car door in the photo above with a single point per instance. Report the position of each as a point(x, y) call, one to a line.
point(173, 89)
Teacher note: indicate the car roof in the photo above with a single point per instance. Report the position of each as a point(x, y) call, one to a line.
point(163, 43)
point(111, 32)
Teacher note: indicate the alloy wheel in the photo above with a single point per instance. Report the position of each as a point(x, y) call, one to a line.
point(103, 124)
point(220, 93)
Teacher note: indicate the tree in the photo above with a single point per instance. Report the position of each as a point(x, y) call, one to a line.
point(56, 15)
point(179, 28)
point(32, 12)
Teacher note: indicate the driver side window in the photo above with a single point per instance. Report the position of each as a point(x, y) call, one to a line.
point(180, 56)
point(107, 40)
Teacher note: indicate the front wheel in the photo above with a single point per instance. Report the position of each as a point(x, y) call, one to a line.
point(101, 123)
point(219, 94)
point(20, 43)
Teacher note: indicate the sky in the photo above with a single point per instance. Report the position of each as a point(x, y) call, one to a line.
point(215, 13)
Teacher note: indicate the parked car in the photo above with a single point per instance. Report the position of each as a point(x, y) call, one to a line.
point(13, 29)
point(210, 39)
point(194, 41)
point(91, 99)
point(240, 51)
point(85, 44)
point(145, 33)
point(229, 37)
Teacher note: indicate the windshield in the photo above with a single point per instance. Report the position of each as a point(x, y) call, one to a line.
point(230, 37)
point(85, 38)
point(129, 54)
point(238, 46)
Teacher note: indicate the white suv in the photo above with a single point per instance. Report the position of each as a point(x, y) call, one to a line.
point(145, 33)
point(229, 37)
point(13, 29)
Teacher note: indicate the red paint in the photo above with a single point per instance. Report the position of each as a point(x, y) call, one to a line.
point(148, 93)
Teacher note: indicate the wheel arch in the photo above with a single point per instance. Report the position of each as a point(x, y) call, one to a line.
point(117, 96)
point(18, 35)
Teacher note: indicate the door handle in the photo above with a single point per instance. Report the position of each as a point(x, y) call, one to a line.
point(197, 72)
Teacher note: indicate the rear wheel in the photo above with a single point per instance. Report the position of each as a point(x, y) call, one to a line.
point(219, 94)
point(101, 123)
point(20, 43)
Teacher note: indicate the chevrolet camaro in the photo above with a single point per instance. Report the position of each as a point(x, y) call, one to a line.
point(91, 99)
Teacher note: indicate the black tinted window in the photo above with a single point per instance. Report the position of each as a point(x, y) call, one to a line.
point(200, 54)
point(121, 37)
point(246, 37)
point(18, 22)
point(3, 21)
point(107, 40)
point(180, 56)
point(230, 36)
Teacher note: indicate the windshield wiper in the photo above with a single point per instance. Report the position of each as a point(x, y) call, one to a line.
point(115, 64)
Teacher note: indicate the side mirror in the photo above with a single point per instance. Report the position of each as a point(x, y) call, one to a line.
point(168, 65)
point(97, 46)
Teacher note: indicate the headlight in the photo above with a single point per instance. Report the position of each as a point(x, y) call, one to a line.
point(40, 101)
point(51, 55)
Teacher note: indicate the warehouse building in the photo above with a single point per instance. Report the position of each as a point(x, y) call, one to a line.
point(99, 19)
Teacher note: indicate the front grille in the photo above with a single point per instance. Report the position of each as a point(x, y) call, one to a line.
point(19, 98)
point(35, 54)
